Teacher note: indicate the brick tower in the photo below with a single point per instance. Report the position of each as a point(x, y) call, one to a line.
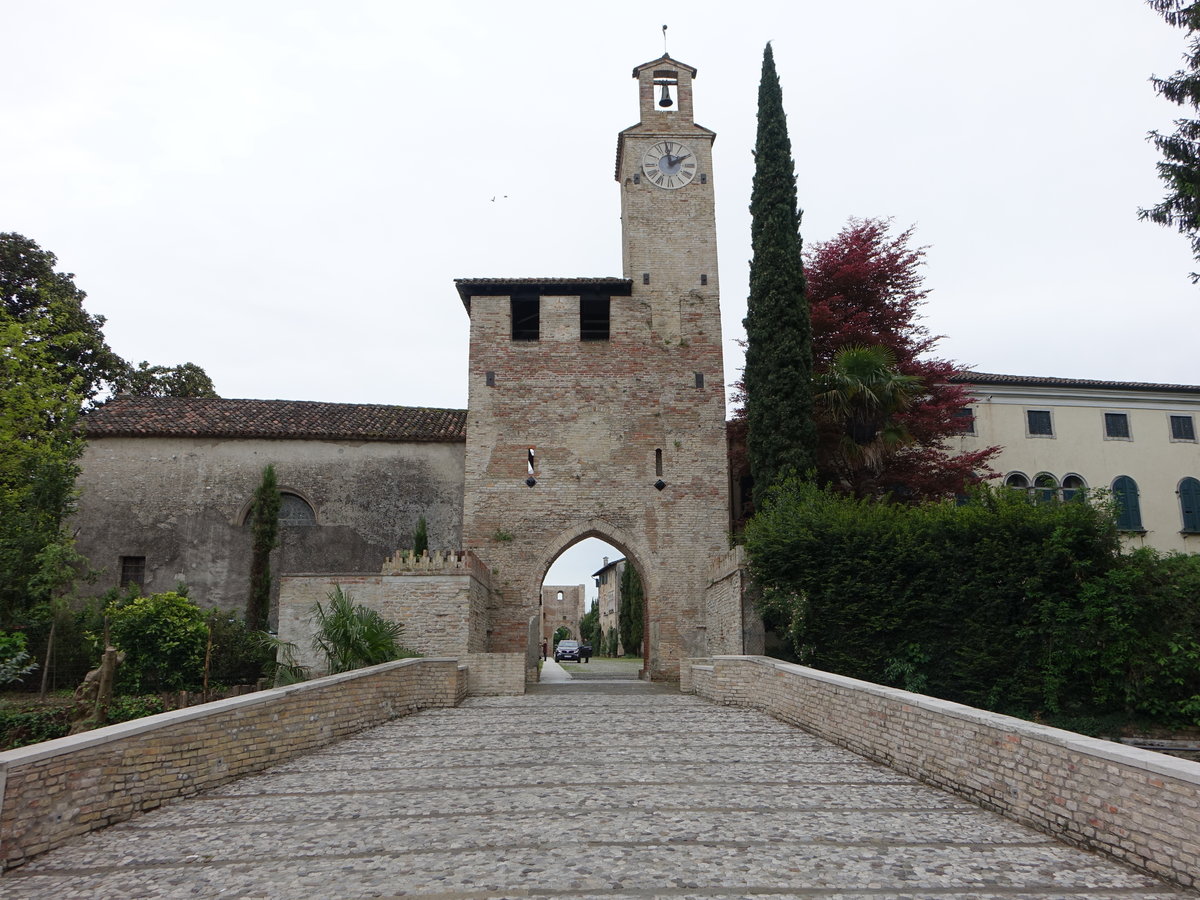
point(597, 405)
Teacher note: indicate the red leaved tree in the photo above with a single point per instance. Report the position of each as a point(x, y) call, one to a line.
point(865, 289)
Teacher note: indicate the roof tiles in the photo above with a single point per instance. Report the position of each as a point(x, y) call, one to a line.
point(280, 419)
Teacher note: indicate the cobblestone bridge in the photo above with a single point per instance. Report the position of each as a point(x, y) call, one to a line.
point(592, 788)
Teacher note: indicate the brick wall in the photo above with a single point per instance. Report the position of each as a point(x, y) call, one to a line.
point(1138, 806)
point(723, 602)
point(55, 790)
point(442, 600)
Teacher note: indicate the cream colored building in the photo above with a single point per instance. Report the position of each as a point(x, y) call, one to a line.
point(608, 587)
point(1060, 435)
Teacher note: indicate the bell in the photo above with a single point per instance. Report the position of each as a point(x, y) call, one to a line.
point(665, 99)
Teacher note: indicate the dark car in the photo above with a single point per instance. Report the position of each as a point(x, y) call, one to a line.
point(566, 650)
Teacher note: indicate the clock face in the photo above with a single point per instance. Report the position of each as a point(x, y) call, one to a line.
point(669, 164)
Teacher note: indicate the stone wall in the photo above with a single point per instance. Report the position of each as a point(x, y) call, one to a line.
point(723, 603)
point(55, 790)
point(1136, 805)
point(495, 674)
point(441, 599)
point(180, 503)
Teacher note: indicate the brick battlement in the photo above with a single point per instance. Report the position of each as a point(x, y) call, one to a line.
point(440, 562)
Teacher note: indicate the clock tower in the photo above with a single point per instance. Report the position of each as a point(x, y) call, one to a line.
point(597, 405)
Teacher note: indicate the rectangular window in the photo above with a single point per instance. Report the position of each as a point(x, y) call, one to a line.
point(593, 318)
point(1116, 425)
point(133, 570)
point(526, 318)
point(965, 419)
point(1183, 428)
point(1039, 423)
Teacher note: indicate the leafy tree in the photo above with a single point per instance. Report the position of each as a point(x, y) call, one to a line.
point(145, 380)
point(1180, 166)
point(39, 453)
point(350, 636)
point(164, 637)
point(865, 288)
point(264, 527)
point(49, 307)
point(860, 395)
point(782, 436)
point(589, 626)
point(561, 633)
point(631, 612)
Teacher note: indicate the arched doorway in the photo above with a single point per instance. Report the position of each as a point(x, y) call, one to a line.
point(595, 585)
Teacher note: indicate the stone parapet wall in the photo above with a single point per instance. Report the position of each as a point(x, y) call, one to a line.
point(1136, 805)
point(496, 674)
point(55, 790)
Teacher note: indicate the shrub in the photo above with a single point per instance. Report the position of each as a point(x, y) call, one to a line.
point(351, 636)
point(163, 637)
point(15, 661)
point(239, 655)
point(999, 602)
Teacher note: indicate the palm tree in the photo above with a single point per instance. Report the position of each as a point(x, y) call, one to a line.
point(859, 396)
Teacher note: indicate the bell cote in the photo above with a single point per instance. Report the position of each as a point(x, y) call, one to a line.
point(665, 92)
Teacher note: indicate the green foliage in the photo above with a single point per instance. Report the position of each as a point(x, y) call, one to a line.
point(420, 537)
point(561, 633)
point(589, 626)
point(145, 380)
point(350, 636)
point(631, 612)
point(1180, 166)
point(1002, 603)
point(782, 435)
point(15, 661)
point(501, 536)
point(134, 706)
point(611, 642)
point(264, 528)
point(164, 637)
point(239, 655)
point(24, 725)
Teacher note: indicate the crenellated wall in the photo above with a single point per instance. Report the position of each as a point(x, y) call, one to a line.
point(1136, 805)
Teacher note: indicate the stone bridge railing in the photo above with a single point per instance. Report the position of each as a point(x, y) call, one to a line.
point(52, 791)
point(1136, 805)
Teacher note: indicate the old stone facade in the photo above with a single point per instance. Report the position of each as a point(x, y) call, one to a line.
point(608, 586)
point(596, 409)
point(562, 605)
point(597, 406)
point(166, 487)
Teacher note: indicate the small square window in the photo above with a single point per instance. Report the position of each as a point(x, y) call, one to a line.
point(965, 419)
point(133, 571)
point(1116, 426)
point(1039, 423)
point(1183, 428)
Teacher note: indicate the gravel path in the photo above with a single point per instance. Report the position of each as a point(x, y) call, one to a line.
point(580, 790)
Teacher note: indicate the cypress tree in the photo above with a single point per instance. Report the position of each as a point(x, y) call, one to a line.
point(264, 529)
point(1180, 167)
point(782, 436)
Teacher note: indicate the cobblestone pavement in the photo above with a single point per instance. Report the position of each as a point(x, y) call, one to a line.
point(591, 790)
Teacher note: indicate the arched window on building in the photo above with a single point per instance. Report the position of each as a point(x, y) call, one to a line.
point(1046, 487)
point(1017, 480)
point(294, 510)
point(1189, 505)
point(1073, 486)
point(1129, 512)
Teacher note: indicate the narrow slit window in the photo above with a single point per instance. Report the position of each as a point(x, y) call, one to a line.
point(530, 462)
point(593, 318)
point(526, 318)
point(658, 462)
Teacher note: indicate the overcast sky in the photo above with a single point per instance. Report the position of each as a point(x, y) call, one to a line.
point(282, 191)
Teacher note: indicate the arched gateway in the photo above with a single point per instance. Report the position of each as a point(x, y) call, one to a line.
point(597, 405)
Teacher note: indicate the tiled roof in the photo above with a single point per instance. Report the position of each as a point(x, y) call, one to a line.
point(478, 287)
point(1040, 381)
point(281, 419)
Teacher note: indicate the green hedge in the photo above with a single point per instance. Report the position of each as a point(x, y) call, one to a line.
point(1000, 602)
